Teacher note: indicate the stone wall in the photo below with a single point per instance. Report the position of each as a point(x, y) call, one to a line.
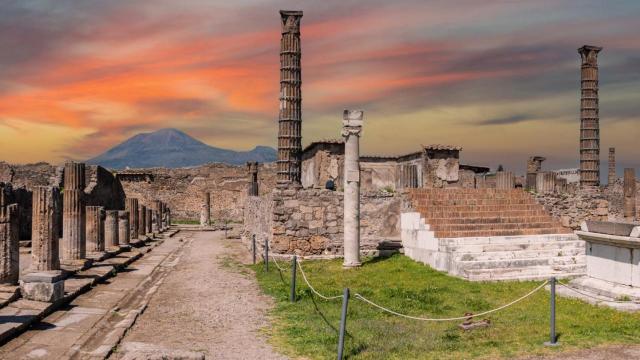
point(182, 188)
point(103, 188)
point(571, 208)
point(615, 195)
point(309, 221)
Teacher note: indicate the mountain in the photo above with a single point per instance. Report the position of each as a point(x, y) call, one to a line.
point(172, 148)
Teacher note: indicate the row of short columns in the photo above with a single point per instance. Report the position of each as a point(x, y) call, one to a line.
point(88, 232)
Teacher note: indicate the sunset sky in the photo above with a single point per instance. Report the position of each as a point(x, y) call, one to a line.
point(499, 78)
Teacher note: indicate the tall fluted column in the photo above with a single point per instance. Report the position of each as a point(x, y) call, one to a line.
point(111, 232)
point(589, 117)
point(124, 230)
point(612, 166)
point(142, 222)
point(629, 193)
point(157, 208)
point(9, 245)
point(351, 130)
point(205, 211)
point(74, 216)
point(290, 116)
point(131, 205)
point(149, 219)
point(45, 229)
point(95, 229)
point(505, 180)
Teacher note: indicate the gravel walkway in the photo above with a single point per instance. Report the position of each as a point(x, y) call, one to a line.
point(206, 305)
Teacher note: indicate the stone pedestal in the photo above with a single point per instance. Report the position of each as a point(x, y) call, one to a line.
point(629, 193)
point(142, 222)
point(46, 286)
point(73, 247)
point(111, 232)
point(205, 212)
point(131, 205)
point(352, 127)
point(505, 180)
point(124, 230)
point(9, 245)
point(45, 229)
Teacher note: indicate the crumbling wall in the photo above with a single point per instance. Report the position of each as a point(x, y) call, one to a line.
point(182, 188)
point(30, 175)
point(571, 208)
point(258, 212)
point(103, 188)
point(615, 195)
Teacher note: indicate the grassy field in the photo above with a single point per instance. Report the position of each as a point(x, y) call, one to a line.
point(308, 328)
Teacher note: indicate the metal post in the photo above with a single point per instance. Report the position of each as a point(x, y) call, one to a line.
point(343, 322)
point(253, 246)
point(552, 333)
point(266, 255)
point(292, 294)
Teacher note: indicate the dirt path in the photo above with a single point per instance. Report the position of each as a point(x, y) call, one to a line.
point(205, 305)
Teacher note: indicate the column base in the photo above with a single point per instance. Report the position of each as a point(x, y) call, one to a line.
point(97, 256)
point(76, 264)
point(351, 265)
point(45, 286)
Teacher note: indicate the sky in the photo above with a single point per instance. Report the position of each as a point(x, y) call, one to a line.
point(499, 78)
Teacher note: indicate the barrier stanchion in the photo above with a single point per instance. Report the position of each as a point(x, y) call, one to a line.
point(266, 255)
point(343, 322)
point(292, 294)
point(253, 247)
point(552, 301)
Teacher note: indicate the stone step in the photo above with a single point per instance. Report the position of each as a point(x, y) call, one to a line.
point(529, 273)
point(457, 208)
point(474, 202)
point(489, 220)
point(498, 226)
point(486, 248)
point(521, 263)
point(488, 233)
point(481, 214)
point(523, 254)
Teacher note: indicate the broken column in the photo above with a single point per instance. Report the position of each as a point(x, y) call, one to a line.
point(45, 281)
point(545, 182)
point(95, 231)
point(589, 117)
point(629, 193)
point(73, 246)
point(351, 129)
point(290, 115)
point(205, 211)
point(142, 220)
point(505, 180)
point(9, 245)
point(149, 219)
point(111, 232)
point(252, 189)
point(612, 166)
point(124, 230)
point(534, 164)
point(131, 205)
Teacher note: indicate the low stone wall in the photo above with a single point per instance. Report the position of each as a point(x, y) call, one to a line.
point(309, 221)
point(572, 208)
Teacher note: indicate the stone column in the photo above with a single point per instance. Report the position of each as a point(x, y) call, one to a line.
point(612, 166)
point(505, 180)
point(534, 164)
point(157, 207)
point(111, 232)
point(131, 205)
point(9, 245)
point(629, 193)
point(45, 229)
point(561, 185)
point(73, 249)
point(95, 229)
point(351, 129)
point(142, 222)
point(124, 230)
point(290, 116)
point(205, 211)
point(545, 182)
point(252, 189)
point(149, 219)
point(589, 117)
point(168, 217)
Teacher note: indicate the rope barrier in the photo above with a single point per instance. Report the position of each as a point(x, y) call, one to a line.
point(595, 297)
point(304, 276)
point(362, 298)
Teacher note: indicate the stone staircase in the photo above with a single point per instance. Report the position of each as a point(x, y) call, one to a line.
point(489, 234)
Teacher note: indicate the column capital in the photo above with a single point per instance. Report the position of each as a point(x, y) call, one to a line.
point(589, 54)
point(290, 21)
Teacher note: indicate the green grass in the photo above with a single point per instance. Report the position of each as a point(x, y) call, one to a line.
point(307, 328)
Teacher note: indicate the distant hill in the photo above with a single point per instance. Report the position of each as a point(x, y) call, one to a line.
point(172, 148)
